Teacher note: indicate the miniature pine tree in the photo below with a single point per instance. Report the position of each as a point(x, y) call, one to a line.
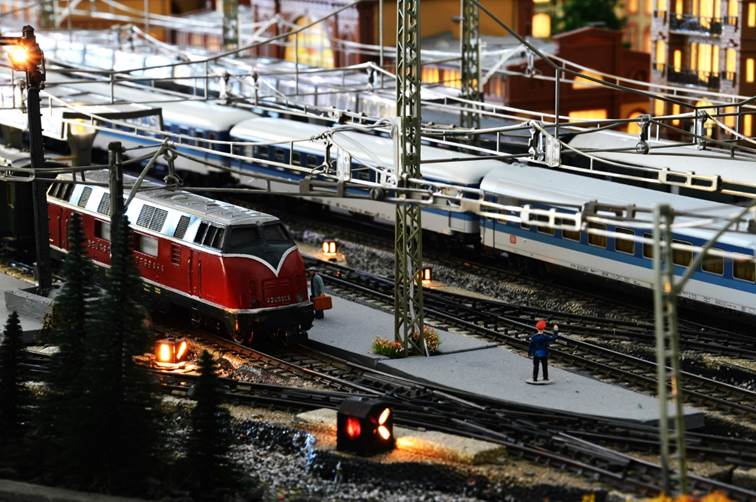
point(580, 13)
point(115, 440)
point(209, 465)
point(12, 392)
point(71, 309)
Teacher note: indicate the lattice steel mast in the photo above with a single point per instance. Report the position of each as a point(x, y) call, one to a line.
point(469, 42)
point(230, 24)
point(408, 252)
point(669, 386)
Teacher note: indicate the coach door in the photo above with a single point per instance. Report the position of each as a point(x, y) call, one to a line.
point(195, 272)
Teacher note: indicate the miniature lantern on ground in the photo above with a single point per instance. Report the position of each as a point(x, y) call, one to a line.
point(365, 427)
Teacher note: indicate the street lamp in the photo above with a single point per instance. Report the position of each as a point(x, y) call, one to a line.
point(25, 55)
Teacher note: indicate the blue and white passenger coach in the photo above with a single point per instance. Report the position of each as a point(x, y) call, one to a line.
point(719, 281)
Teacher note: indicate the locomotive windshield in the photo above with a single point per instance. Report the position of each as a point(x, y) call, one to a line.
point(268, 241)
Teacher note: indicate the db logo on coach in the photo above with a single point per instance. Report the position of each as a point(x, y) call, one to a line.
point(512, 239)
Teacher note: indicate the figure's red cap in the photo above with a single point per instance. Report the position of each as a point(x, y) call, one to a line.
point(541, 325)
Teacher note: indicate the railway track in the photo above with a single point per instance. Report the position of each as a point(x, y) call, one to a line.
point(457, 312)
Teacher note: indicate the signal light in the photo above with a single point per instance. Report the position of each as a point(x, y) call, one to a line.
point(365, 427)
point(427, 275)
point(329, 248)
point(171, 353)
point(19, 57)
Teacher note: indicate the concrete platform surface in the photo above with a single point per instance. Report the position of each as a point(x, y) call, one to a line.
point(428, 443)
point(8, 283)
point(16, 491)
point(477, 366)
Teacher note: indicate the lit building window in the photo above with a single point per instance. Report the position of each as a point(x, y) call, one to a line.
point(731, 62)
point(675, 111)
point(430, 75)
point(541, 25)
point(634, 127)
point(661, 54)
point(312, 46)
point(583, 83)
point(649, 7)
point(732, 10)
point(679, 7)
point(632, 6)
point(452, 78)
point(729, 120)
point(748, 125)
point(749, 70)
point(752, 15)
point(661, 6)
point(677, 60)
point(582, 115)
point(658, 107)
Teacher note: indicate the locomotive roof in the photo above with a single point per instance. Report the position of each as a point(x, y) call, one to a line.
point(524, 182)
point(213, 211)
point(359, 144)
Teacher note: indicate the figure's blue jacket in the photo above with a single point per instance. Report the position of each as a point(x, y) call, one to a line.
point(539, 344)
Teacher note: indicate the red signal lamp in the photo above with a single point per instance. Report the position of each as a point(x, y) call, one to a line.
point(171, 353)
point(365, 427)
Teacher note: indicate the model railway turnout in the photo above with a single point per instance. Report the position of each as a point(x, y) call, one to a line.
point(568, 442)
point(462, 314)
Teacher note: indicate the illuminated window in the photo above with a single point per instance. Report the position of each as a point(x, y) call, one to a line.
point(679, 7)
point(694, 8)
point(677, 60)
point(676, 111)
point(541, 25)
point(634, 127)
point(661, 54)
point(632, 6)
point(430, 75)
point(730, 61)
point(704, 60)
point(713, 264)
point(658, 107)
point(582, 115)
point(752, 14)
point(732, 9)
point(694, 56)
point(312, 46)
point(661, 5)
point(582, 83)
point(749, 70)
point(624, 245)
point(744, 270)
point(452, 78)
point(748, 125)
point(682, 256)
point(647, 40)
point(598, 240)
point(649, 7)
point(729, 120)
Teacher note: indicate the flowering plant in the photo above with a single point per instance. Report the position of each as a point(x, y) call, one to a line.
point(392, 348)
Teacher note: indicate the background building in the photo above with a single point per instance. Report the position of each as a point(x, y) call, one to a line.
point(706, 44)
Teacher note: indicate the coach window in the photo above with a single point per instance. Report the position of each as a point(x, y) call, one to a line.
point(597, 240)
point(744, 270)
point(296, 158)
point(682, 257)
point(648, 248)
point(102, 230)
point(713, 264)
point(148, 245)
point(261, 152)
point(572, 235)
point(544, 229)
point(312, 161)
point(624, 245)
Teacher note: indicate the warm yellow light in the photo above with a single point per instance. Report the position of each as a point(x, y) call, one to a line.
point(329, 247)
point(165, 352)
point(182, 349)
point(80, 127)
point(384, 432)
point(427, 274)
point(384, 416)
point(541, 25)
point(19, 57)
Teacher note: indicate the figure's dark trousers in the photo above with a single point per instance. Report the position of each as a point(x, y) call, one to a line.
point(544, 364)
point(319, 314)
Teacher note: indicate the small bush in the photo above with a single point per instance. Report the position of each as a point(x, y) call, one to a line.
point(393, 349)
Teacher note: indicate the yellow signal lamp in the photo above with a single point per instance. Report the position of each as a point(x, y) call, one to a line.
point(427, 275)
point(329, 247)
point(171, 353)
point(19, 57)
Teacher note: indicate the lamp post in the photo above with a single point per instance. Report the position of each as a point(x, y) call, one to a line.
point(25, 55)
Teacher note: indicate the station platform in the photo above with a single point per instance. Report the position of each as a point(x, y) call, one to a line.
point(30, 322)
point(480, 367)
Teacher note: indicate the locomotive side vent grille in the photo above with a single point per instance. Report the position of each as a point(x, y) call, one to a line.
point(183, 224)
point(61, 191)
point(104, 207)
point(85, 194)
point(152, 218)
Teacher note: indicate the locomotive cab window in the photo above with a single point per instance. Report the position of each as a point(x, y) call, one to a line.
point(147, 245)
point(102, 230)
point(745, 270)
point(624, 245)
point(255, 239)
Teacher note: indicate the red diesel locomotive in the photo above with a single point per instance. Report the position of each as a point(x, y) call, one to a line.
point(221, 262)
